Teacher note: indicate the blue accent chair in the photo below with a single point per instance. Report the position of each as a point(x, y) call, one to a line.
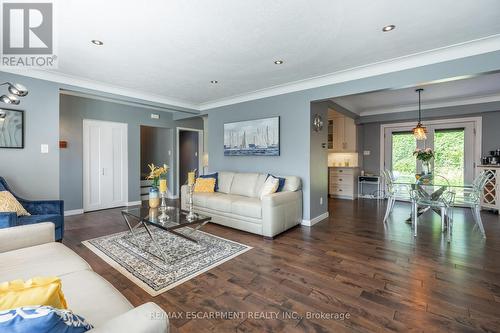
point(41, 211)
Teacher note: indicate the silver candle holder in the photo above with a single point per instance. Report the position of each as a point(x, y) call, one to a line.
point(163, 207)
point(191, 216)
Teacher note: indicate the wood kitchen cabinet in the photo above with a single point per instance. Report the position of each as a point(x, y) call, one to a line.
point(342, 133)
point(343, 182)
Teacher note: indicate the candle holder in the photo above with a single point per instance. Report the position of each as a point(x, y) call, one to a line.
point(191, 216)
point(163, 207)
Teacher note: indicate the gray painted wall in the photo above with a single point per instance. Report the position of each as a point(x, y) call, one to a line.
point(318, 164)
point(74, 109)
point(31, 174)
point(156, 142)
point(294, 138)
point(294, 109)
point(370, 128)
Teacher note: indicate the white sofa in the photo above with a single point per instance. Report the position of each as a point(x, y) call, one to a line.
point(237, 203)
point(30, 250)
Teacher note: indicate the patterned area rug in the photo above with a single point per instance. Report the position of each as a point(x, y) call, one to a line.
point(185, 259)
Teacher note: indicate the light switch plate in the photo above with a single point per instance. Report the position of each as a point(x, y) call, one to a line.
point(366, 152)
point(155, 116)
point(44, 148)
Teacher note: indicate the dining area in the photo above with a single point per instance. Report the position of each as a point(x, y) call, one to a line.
point(433, 193)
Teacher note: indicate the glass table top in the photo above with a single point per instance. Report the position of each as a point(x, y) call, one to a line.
point(169, 219)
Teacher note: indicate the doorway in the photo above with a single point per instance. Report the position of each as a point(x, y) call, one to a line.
point(455, 143)
point(105, 165)
point(189, 150)
point(156, 148)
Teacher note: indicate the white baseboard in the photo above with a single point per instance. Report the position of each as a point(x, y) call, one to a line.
point(133, 203)
point(73, 212)
point(311, 222)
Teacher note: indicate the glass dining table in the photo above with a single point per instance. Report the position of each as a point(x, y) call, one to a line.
point(431, 189)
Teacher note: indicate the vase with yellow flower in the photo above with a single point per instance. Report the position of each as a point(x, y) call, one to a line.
point(158, 176)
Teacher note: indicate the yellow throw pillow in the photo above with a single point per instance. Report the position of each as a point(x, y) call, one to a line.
point(205, 185)
point(36, 291)
point(9, 203)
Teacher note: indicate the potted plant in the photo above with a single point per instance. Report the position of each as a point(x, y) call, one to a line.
point(425, 156)
point(155, 174)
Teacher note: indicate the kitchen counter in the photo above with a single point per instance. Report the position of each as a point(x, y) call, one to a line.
point(343, 167)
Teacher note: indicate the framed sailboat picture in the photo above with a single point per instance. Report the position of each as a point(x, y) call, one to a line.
point(260, 137)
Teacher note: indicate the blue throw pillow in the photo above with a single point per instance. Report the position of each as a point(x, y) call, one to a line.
point(213, 175)
point(42, 319)
point(281, 183)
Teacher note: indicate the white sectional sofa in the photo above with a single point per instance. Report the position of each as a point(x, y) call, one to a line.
point(237, 203)
point(30, 250)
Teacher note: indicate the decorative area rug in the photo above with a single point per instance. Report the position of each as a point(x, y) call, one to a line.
point(185, 259)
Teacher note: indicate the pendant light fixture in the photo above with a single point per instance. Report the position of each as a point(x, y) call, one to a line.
point(420, 132)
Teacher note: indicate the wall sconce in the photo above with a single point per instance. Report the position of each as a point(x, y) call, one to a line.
point(15, 90)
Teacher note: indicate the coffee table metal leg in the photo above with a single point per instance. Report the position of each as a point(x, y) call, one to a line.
point(154, 241)
point(125, 217)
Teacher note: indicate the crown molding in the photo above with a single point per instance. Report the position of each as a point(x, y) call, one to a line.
point(434, 104)
point(447, 53)
point(125, 102)
point(97, 86)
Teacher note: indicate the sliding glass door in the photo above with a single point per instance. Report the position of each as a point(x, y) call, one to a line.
point(453, 144)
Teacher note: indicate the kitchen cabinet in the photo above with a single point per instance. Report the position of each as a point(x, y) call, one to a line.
point(342, 133)
point(343, 182)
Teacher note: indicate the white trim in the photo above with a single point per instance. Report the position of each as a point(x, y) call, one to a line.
point(121, 101)
point(133, 203)
point(447, 53)
point(99, 86)
point(478, 125)
point(434, 105)
point(200, 153)
point(73, 212)
point(311, 222)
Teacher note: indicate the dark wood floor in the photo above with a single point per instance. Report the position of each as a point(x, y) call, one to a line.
point(379, 274)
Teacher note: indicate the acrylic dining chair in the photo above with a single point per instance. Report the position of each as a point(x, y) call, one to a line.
point(433, 191)
point(394, 192)
point(471, 198)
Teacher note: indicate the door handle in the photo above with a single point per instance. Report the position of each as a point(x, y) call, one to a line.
point(103, 171)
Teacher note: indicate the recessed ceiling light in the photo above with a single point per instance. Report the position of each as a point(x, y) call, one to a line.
point(388, 28)
point(97, 42)
point(279, 62)
point(214, 81)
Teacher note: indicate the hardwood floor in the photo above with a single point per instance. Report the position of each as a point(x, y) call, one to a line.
point(380, 275)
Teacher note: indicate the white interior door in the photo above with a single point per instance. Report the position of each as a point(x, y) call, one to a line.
point(105, 165)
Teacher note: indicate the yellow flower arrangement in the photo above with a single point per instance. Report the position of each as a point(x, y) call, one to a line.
point(156, 172)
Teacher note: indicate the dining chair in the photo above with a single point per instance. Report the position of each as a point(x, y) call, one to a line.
point(394, 192)
point(433, 191)
point(471, 198)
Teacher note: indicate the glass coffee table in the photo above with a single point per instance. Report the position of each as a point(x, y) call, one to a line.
point(169, 220)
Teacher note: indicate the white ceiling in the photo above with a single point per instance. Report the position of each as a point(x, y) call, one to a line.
point(171, 50)
point(479, 89)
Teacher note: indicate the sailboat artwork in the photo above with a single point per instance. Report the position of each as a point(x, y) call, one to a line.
point(259, 137)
